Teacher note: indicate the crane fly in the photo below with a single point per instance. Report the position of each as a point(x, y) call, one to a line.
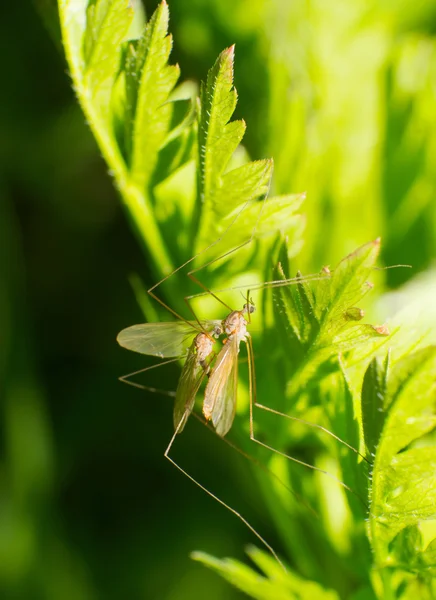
point(169, 340)
point(195, 340)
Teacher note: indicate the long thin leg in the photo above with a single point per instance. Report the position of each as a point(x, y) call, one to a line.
point(209, 493)
point(267, 284)
point(161, 302)
point(200, 284)
point(259, 286)
point(253, 232)
point(253, 403)
point(255, 286)
point(259, 464)
point(301, 500)
point(315, 426)
point(126, 378)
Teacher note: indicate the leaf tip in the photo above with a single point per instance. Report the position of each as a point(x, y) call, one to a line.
point(163, 11)
point(382, 329)
point(230, 52)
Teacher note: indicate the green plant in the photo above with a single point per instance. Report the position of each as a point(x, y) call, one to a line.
point(185, 183)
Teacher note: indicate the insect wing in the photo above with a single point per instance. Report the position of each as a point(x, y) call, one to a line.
point(165, 340)
point(221, 390)
point(189, 383)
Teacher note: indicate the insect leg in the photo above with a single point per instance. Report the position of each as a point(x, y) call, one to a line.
point(216, 498)
point(314, 425)
point(150, 291)
point(253, 403)
point(259, 464)
point(247, 242)
point(126, 378)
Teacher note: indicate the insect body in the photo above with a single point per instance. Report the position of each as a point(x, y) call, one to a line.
point(196, 366)
point(221, 390)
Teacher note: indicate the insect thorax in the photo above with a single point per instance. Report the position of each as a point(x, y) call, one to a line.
point(203, 346)
point(236, 325)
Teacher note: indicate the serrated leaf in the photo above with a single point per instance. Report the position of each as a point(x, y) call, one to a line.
point(279, 213)
point(149, 83)
point(242, 185)
point(338, 400)
point(278, 585)
point(73, 16)
point(108, 22)
point(218, 138)
point(219, 191)
point(124, 91)
point(319, 318)
point(373, 402)
point(404, 473)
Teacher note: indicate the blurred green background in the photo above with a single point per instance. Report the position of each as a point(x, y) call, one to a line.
point(342, 95)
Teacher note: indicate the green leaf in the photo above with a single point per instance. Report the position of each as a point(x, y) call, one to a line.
point(125, 88)
point(280, 213)
point(373, 402)
point(403, 490)
point(108, 22)
point(406, 547)
point(218, 137)
point(149, 82)
point(277, 585)
point(337, 401)
point(318, 319)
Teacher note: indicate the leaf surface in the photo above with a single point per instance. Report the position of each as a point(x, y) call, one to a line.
point(403, 491)
point(273, 584)
point(218, 138)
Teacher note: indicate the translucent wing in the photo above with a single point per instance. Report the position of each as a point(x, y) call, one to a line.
point(165, 340)
point(189, 383)
point(220, 395)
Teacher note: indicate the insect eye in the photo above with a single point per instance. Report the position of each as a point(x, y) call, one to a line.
point(217, 331)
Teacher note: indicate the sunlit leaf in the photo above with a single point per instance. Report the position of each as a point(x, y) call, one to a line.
point(107, 25)
point(403, 490)
point(373, 402)
point(274, 584)
point(318, 319)
point(218, 137)
point(149, 82)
